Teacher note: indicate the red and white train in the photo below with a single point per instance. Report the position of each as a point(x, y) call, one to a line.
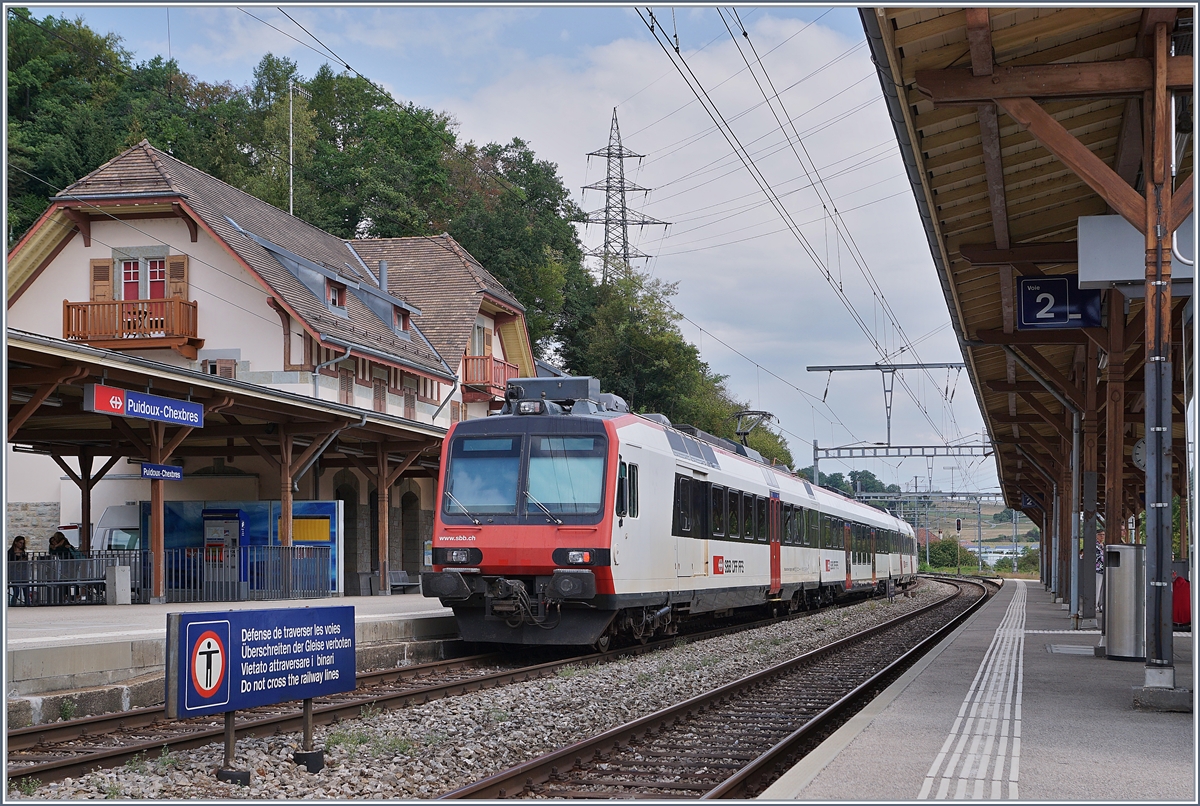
point(565, 519)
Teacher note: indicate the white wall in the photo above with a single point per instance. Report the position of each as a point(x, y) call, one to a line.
point(30, 477)
point(231, 305)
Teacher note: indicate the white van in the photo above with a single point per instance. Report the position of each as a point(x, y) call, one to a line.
point(119, 528)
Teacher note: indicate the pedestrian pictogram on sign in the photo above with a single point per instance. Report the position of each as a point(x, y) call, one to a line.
point(208, 664)
point(207, 679)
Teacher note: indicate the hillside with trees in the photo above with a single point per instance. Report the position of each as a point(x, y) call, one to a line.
point(365, 165)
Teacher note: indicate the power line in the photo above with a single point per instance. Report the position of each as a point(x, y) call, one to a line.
point(836, 218)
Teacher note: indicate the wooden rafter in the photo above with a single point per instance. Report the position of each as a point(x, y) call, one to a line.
point(991, 254)
point(1090, 168)
point(979, 33)
point(1087, 79)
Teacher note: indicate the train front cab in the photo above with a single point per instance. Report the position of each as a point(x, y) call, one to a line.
point(521, 543)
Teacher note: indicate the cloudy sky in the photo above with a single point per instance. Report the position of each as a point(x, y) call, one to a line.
point(757, 304)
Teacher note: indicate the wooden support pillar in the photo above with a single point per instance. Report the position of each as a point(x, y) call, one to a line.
point(382, 502)
point(1062, 559)
point(285, 487)
point(85, 481)
point(384, 475)
point(1160, 662)
point(1114, 426)
point(1091, 457)
point(158, 590)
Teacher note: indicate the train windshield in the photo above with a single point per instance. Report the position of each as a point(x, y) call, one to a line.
point(566, 473)
point(482, 479)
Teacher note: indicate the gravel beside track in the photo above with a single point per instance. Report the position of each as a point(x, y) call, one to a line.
point(425, 751)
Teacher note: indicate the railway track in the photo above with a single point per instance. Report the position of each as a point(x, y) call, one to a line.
point(55, 751)
point(734, 741)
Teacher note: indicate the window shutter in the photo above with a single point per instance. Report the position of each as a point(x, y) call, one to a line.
point(346, 387)
point(381, 395)
point(454, 411)
point(177, 276)
point(410, 405)
point(221, 367)
point(102, 280)
point(487, 342)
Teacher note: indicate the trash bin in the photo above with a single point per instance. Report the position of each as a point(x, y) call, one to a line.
point(1125, 602)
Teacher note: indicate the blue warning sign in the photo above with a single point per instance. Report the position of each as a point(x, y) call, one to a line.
point(236, 659)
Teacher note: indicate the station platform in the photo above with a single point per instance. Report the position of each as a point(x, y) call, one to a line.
point(1013, 705)
point(106, 658)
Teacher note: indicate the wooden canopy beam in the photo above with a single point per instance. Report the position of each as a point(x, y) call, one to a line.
point(991, 254)
point(1090, 168)
point(979, 33)
point(1064, 336)
point(1111, 79)
point(39, 397)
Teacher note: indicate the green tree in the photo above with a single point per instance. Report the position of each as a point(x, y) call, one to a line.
point(1030, 561)
point(61, 75)
point(519, 227)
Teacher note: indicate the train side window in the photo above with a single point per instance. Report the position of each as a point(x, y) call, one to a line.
point(633, 491)
point(718, 511)
point(684, 496)
point(789, 525)
point(622, 507)
point(761, 513)
point(734, 501)
point(748, 516)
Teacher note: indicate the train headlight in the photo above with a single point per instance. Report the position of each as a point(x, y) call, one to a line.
point(458, 556)
point(579, 558)
point(530, 407)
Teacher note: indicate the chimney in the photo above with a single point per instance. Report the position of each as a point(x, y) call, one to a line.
point(383, 275)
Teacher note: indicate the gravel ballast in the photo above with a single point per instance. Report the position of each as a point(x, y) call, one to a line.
point(425, 751)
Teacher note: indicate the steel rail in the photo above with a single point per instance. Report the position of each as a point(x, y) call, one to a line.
point(751, 779)
point(90, 726)
point(54, 769)
point(528, 777)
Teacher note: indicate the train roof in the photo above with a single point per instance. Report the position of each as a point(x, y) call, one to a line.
point(580, 396)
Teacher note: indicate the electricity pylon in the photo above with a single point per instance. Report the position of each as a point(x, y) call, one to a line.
point(616, 216)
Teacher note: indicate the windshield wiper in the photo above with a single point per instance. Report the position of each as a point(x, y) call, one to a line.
point(543, 508)
point(466, 512)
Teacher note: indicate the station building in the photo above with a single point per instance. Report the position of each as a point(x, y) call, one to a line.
point(325, 365)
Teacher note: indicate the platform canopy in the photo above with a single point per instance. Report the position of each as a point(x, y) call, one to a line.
point(1014, 123)
point(292, 433)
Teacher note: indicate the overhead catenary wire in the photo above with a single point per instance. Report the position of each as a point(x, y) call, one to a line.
point(843, 230)
point(698, 90)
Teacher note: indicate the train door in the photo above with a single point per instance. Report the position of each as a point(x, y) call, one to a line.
point(874, 560)
point(774, 508)
point(848, 543)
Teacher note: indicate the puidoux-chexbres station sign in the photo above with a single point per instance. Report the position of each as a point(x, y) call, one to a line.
point(103, 399)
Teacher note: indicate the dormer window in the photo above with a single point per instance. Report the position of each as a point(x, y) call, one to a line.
point(336, 295)
point(401, 318)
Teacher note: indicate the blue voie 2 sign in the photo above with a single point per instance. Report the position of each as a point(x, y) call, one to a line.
point(235, 659)
point(1056, 301)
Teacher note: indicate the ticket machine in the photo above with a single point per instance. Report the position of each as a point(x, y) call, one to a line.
point(224, 573)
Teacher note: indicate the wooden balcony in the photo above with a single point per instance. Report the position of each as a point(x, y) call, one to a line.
point(140, 324)
point(485, 377)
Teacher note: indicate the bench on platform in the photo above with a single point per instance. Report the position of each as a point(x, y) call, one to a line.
point(400, 582)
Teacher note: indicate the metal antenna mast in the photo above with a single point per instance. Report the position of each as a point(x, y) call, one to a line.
point(616, 254)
